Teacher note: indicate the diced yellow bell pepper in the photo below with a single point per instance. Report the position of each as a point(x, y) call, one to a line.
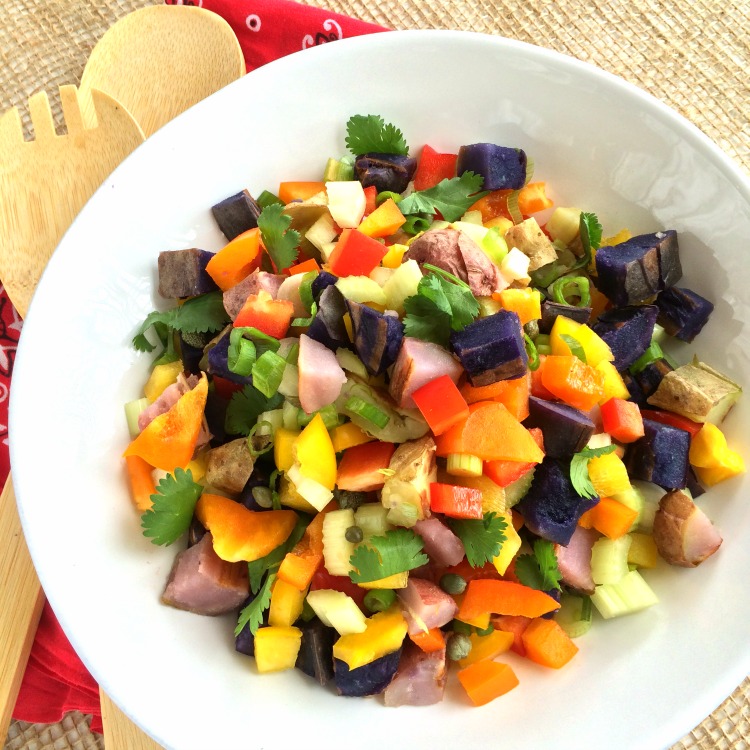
point(394, 257)
point(314, 452)
point(712, 458)
point(487, 647)
point(347, 436)
point(396, 581)
point(276, 648)
point(283, 442)
point(349, 327)
point(525, 302)
point(502, 224)
point(481, 622)
point(384, 634)
point(608, 475)
point(286, 604)
point(198, 467)
point(510, 547)
point(594, 347)
point(613, 385)
point(162, 376)
point(622, 236)
point(642, 552)
point(290, 498)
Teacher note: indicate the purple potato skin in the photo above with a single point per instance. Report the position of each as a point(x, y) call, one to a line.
point(627, 331)
point(370, 679)
point(550, 311)
point(385, 171)
point(683, 312)
point(236, 214)
point(328, 325)
point(660, 456)
point(182, 273)
point(377, 337)
point(502, 168)
point(566, 430)
point(315, 657)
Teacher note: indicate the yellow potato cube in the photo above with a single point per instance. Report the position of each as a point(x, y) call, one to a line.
point(276, 648)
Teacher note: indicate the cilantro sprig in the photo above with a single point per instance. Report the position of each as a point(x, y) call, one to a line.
point(590, 231)
point(245, 407)
point(252, 615)
point(397, 551)
point(280, 241)
point(579, 469)
point(482, 537)
point(452, 197)
point(442, 303)
point(366, 134)
point(172, 507)
point(203, 314)
point(539, 570)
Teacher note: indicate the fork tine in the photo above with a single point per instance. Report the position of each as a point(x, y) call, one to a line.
point(41, 117)
point(71, 109)
point(11, 131)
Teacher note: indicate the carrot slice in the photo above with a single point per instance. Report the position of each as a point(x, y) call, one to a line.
point(548, 644)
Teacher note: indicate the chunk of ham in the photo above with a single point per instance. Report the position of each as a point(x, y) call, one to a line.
point(201, 582)
point(441, 545)
point(320, 375)
point(235, 298)
point(425, 605)
point(683, 533)
point(457, 253)
point(168, 398)
point(574, 560)
point(420, 680)
point(418, 363)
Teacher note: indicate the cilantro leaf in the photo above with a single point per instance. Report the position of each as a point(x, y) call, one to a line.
point(252, 615)
point(396, 552)
point(452, 197)
point(367, 134)
point(482, 537)
point(172, 508)
point(539, 571)
point(160, 322)
point(245, 407)
point(271, 562)
point(442, 303)
point(281, 243)
point(579, 469)
point(590, 231)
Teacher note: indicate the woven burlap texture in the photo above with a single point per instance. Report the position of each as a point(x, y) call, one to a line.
point(690, 54)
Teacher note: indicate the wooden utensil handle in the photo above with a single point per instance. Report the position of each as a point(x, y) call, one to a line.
point(21, 602)
point(119, 732)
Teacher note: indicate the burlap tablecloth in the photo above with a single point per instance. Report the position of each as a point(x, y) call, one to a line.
point(691, 54)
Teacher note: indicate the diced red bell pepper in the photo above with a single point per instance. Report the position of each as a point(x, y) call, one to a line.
point(673, 420)
point(361, 467)
point(371, 193)
point(622, 420)
point(455, 501)
point(324, 580)
point(441, 404)
point(269, 315)
point(225, 388)
point(355, 254)
point(504, 473)
point(434, 167)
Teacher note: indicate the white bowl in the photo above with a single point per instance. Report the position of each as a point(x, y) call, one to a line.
point(601, 144)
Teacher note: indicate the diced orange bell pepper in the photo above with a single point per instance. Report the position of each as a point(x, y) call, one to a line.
point(242, 534)
point(503, 598)
point(236, 260)
point(168, 441)
point(532, 198)
point(492, 433)
point(304, 267)
point(441, 404)
point(572, 381)
point(515, 625)
point(383, 221)
point(270, 316)
point(514, 394)
point(300, 564)
point(429, 640)
point(141, 481)
point(609, 517)
point(486, 680)
point(548, 644)
point(526, 303)
point(455, 500)
point(487, 646)
point(347, 436)
point(299, 191)
point(493, 205)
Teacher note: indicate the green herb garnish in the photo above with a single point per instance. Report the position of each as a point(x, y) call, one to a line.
point(397, 551)
point(590, 231)
point(452, 197)
point(280, 241)
point(366, 134)
point(482, 537)
point(539, 571)
point(245, 407)
point(579, 469)
point(172, 507)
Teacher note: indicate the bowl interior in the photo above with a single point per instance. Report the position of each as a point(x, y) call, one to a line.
point(600, 145)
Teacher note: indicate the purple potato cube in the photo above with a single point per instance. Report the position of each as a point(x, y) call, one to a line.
point(503, 168)
point(639, 268)
point(550, 311)
point(323, 280)
point(369, 679)
point(328, 324)
point(377, 337)
point(682, 312)
point(651, 375)
point(182, 273)
point(551, 508)
point(566, 430)
point(660, 456)
point(236, 214)
point(627, 331)
point(315, 656)
point(634, 389)
point(385, 171)
point(492, 348)
point(218, 362)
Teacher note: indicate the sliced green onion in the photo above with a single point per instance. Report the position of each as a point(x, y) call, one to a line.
point(529, 170)
point(486, 631)
point(251, 448)
point(290, 416)
point(575, 347)
point(464, 465)
point(338, 170)
point(289, 385)
point(270, 421)
point(532, 352)
point(385, 195)
point(268, 199)
point(415, 224)
point(328, 414)
point(651, 354)
point(241, 354)
point(275, 499)
point(378, 600)
point(571, 286)
point(513, 210)
point(367, 411)
point(306, 321)
point(545, 275)
point(133, 409)
point(542, 340)
point(305, 289)
point(494, 245)
point(268, 372)
point(292, 355)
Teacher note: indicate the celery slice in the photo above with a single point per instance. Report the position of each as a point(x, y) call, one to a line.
point(464, 465)
point(609, 560)
point(631, 594)
point(133, 409)
point(574, 615)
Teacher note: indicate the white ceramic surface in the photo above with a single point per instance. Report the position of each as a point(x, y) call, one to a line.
point(638, 682)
